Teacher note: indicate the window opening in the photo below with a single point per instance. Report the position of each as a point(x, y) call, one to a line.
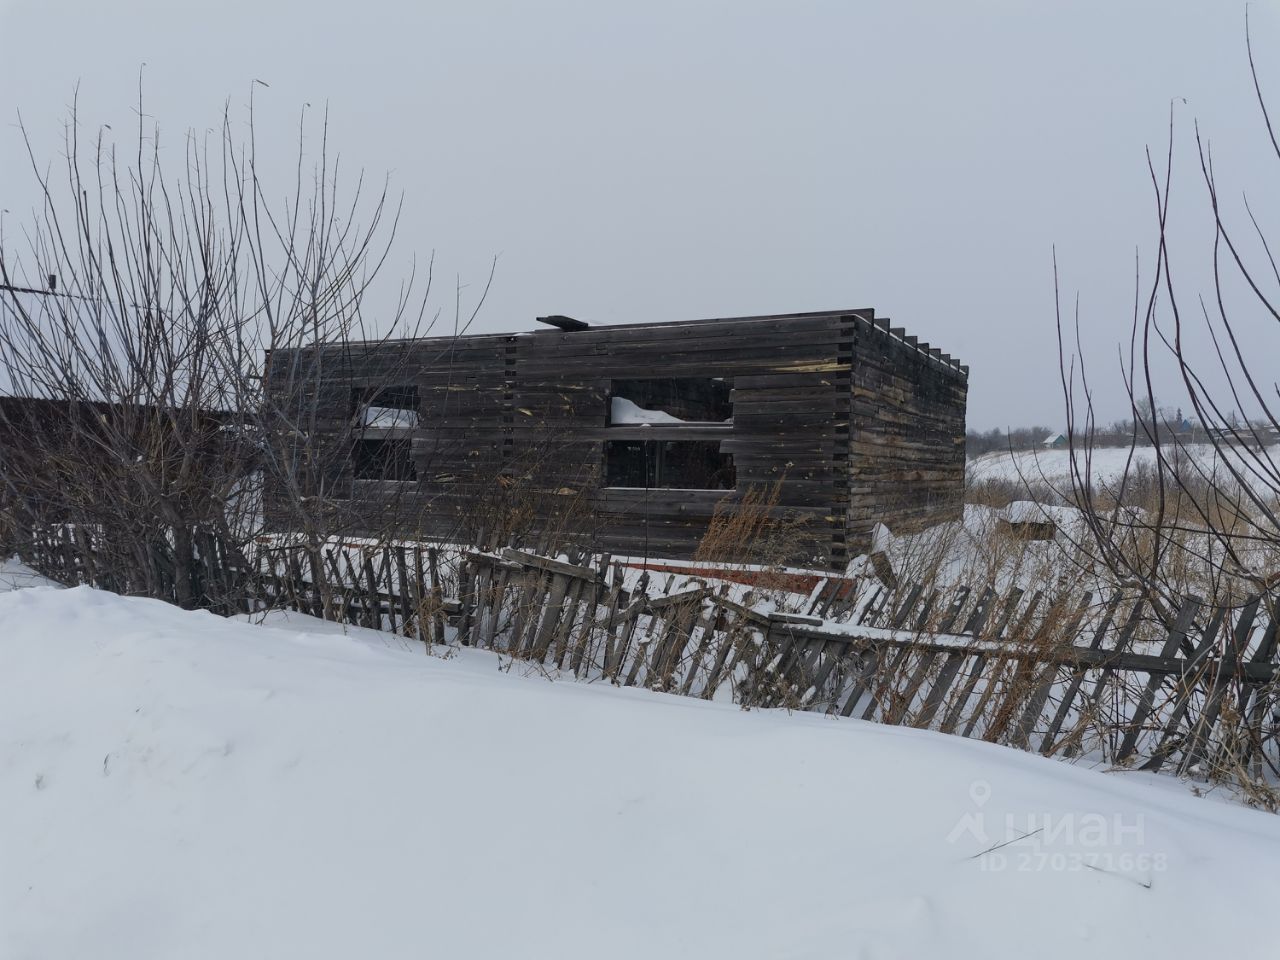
point(385, 419)
point(383, 458)
point(667, 462)
point(671, 400)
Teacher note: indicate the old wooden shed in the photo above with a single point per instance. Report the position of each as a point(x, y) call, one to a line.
point(635, 436)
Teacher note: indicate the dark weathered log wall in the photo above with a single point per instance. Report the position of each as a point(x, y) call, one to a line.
point(906, 451)
point(788, 421)
point(513, 431)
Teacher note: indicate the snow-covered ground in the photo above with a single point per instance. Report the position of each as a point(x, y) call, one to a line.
point(1053, 466)
point(177, 785)
point(1107, 465)
point(14, 575)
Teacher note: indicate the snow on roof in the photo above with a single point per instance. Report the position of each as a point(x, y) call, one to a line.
point(1029, 511)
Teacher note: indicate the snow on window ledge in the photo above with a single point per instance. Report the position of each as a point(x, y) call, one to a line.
point(624, 412)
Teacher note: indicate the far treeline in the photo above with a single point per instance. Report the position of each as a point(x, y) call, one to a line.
point(978, 442)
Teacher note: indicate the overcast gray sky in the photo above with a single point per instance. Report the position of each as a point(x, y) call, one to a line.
point(661, 161)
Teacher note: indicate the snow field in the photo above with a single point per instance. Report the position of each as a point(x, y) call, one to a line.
point(177, 785)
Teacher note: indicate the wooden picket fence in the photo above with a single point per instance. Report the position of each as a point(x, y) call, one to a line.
point(1103, 679)
point(75, 554)
point(396, 587)
point(1071, 675)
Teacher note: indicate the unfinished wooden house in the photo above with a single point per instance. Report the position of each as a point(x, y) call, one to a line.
point(810, 428)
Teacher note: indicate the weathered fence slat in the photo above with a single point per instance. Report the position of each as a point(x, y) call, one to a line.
point(1197, 742)
point(1146, 705)
point(1186, 685)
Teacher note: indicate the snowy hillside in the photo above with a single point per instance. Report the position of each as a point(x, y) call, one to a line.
point(1107, 465)
point(176, 785)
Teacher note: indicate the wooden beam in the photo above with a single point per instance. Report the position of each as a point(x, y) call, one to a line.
point(560, 322)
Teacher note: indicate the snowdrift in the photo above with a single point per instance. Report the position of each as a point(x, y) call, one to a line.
point(177, 785)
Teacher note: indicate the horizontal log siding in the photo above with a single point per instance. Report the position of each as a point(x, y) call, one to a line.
point(787, 374)
point(513, 428)
point(906, 449)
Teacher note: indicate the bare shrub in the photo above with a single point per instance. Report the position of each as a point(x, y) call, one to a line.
point(137, 326)
point(1001, 491)
point(1188, 518)
point(753, 531)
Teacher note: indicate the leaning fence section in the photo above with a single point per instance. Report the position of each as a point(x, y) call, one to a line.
point(216, 578)
point(1068, 673)
point(1074, 674)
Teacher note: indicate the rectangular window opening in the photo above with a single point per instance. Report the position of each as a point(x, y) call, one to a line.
point(671, 400)
point(385, 408)
point(383, 458)
point(669, 464)
point(386, 419)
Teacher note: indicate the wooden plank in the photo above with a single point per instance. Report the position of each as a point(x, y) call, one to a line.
point(706, 628)
point(907, 605)
point(568, 618)
point(901, 701)
point(1255, 697)
point(731, 637)
point(990, 666)
point(1186, 686)
point(467, 574)
point(360, 596)
point(612, 623)
point(1043, 688)
point(1177, 634)
point(385, 575)
point(936, 696)
point(549, 564)
point(948, 668)
point(951, 663)
point(626, 630)
point(297, 599)
point(534, 583)
point(981, 611)
point(499, 580)
point(1197, 743)
point(955, 712)
point(825, 658)
point(683, 622)
point(1078, 673)
point(1010, 605)
point(678, 600)
point(785, 646)
point(1018, 670)
point(405, 591)
point(486, 609)
point(869, 660)
point(893, 660)
point(418, 596)
point(581, 648)
point(371, 587)
point(952, 613)
point(322, 603)
point(643, 646)
point(338, 586)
